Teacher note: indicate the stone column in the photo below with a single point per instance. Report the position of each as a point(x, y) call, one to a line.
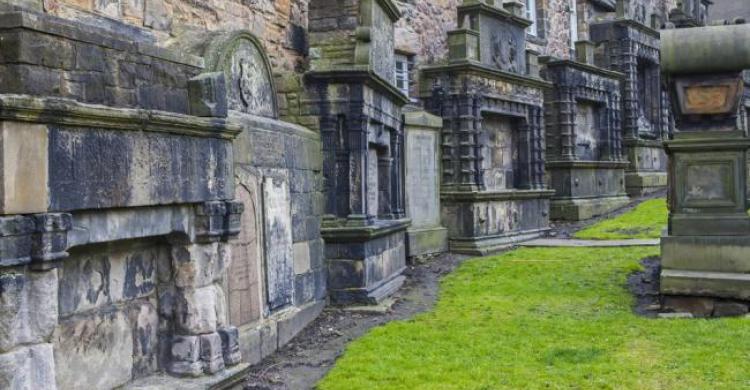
point(397, 173)
point(31, 248)
point(629, 66)
point(567, 124)
point(192, 300)
point(356, 134)
point(330, 127)
point(537, 147)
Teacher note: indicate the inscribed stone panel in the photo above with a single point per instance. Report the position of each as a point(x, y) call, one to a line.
point(244, 274)
point(422, 190)
point(278, 242)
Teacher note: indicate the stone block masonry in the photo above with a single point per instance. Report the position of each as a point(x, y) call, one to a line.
point(113, 237)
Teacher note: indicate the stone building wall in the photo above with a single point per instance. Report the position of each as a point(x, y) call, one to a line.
point(281, 24)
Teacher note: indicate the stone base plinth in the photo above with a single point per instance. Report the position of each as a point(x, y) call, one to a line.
point(639, 183)
point(365, 263)
point(483, 222)
point(230, 379)
point(647, 172)
point(423, 242)
point(715, 266)
point(580, 209)
point(586, 189)
point(481, 246)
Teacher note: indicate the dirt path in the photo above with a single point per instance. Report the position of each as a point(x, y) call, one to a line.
point(307, 358)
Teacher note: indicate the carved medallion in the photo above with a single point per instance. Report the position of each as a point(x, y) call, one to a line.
point(504, 51)
point(248, 74)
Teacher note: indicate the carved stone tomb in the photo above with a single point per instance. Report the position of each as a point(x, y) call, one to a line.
point(493, 190)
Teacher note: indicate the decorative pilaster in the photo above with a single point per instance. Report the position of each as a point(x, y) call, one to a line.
point(537, 147)
point(567, 123)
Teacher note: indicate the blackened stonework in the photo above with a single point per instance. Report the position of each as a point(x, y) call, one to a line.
point(117, 211)
point(584, 139)
point(493, 189)
point(97, 168)
point(632, 48)
point(46, 56)
point(351, 92)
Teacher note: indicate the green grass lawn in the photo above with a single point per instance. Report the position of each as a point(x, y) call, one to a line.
point(546, 318)
point(647, 220)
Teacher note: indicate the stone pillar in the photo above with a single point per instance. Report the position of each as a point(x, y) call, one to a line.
point(567, 123)
point(356, 134)
point(192, 296)
point(705, 251)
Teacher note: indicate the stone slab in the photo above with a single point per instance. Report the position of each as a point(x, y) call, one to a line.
point(231, 378)
point(561, 242)
point(485, 245)
point(730, 254)
point(643, 183)
point(582, 209)
point(291, 325)
point(30, 367)
point(28, 308)
point(278, 242)
point(100, 343)
point(703, 283)
point(425, 242)
point(93, 168)
point(23, 169)
point(422, 177)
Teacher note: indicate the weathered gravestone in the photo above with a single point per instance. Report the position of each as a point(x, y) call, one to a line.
point(705, 251)
point(425, 236)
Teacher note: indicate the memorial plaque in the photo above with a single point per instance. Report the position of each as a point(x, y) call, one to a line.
point(382, 55)
point(708, 182)
point(106, 169)
point(499, 153)
point(278, 242)
point(422, 174)
point(587, 136)
point(247, 71)
point(244, 272)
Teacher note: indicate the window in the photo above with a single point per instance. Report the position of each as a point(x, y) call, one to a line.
point(531, 15)
point(573, 24)
point(402, 74)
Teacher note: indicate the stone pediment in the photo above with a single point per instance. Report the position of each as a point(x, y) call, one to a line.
point(240, 56)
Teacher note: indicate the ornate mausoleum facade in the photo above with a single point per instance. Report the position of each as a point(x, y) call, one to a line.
point(185, 185)
point(490, 97)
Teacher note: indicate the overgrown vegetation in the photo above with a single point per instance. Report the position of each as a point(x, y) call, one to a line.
point(546, 318)
point(647, 220)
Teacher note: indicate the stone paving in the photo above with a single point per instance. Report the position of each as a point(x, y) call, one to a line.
point(565, 242)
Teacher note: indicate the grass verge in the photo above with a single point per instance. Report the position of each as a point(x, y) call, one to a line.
point(551, 318)
point(647, 220)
